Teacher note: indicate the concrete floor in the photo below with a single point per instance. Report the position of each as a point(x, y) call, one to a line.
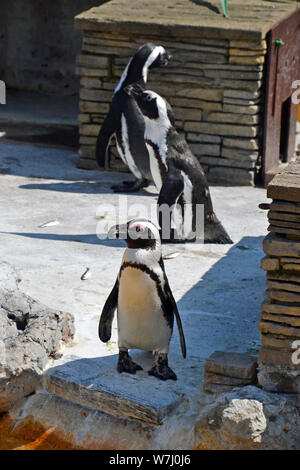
point(218, 288)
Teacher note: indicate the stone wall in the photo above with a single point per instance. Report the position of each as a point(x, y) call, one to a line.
point(213, 85)
point(279, 358)
point(38, 44)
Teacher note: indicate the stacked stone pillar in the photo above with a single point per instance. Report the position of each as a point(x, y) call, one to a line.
point(279, 358)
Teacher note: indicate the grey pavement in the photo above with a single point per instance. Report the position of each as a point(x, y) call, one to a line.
point(219, 288)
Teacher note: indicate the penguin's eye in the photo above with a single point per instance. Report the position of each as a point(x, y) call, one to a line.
point(148, 98)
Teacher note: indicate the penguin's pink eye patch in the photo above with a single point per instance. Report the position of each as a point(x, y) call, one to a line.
point(136, 227)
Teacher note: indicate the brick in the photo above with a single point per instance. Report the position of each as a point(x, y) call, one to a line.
point(280, 309)
point(205, 149)
point(226, 162)
point(211, 378)
point(273, 342)
point(275, 245)
point(239, 365)
point(95, 95)
point(247, 144)
point(239, 154)
point(284, 319)
point(232, 118)
point(269, 264)
point(203, 138)
point(278, 329)
point(238, 109)
point(236, 176)
point(221, 129)
point(276, 356)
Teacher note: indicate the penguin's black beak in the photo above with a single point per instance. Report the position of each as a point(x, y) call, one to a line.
point(118, 231)
point(166, 59)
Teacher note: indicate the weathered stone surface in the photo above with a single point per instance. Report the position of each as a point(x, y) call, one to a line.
point(286, 185)
point(203, 138)
point(239, 109)
point(205, 149)
point(280, 309)
point(196, 104)
point(283, 216)
point(211, 378)
point(249, 418)
point(241, 94)
point(284, 319)
point(93, 107)
point(89, 129)
point(95, 95)
point(247, 144)
point(285, 206)
point(231, 175)
point(276, 245)
point(239, 154)
point(283, 223)
point(29, 334)
point(97, 384)
point(283, 286)
point(269, 264)
point(295, 233)
point(286, 277)
point(232, 118)
point(226, 162)
point(283, 296)
point(274, 342)
point(239, 365)
point(291, 267)
point(221, 129)
point(278, 378)
point(278, 357)
point(278, 329)
point(188, 114)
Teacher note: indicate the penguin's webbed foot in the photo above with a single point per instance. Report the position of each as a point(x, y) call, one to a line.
point(126, 364)
point(130, 186)
point(161, 369)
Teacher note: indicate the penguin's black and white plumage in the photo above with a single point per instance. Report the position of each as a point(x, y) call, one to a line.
point(143, 299)
point(125, 120)
point(177, 174)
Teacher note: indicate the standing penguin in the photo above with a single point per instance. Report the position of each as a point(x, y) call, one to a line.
point(126, 121)
point(177, 174)
point(143, 299)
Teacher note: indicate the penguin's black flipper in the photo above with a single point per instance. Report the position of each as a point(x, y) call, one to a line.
point(170, 307)
point(108, 128)
point(178, 319)
point(107, 314)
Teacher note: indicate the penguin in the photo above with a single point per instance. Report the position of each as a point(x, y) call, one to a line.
point(143, 299)
point(126, 121)
point(177, 174)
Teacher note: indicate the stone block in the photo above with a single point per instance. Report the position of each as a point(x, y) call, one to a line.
point(89, 129)
point(269, 264)
point(284, 319)
point(226, 163)
point(205, 149)
point(276, 356)
point(278, 329)
point(221, 129)
point(276, 245)
point(231, 175)
point(239, 109)
point(280, 309)
point(245, 144)
point(211, 378)
point(95, 383)
point(232, 118)
point(203, 138)
point(95, 95)
point(238, 365)
point(274, 342)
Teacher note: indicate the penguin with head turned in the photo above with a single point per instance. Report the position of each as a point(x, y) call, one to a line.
point(143, 299)
point(126, 121)
point(177, 174)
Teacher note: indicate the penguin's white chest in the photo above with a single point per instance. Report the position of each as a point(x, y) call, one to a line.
point(141, 323)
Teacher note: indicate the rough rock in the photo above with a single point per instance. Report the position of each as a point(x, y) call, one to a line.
point(30, 333)
point(249, 418)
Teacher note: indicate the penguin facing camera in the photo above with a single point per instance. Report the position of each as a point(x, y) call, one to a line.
point(177, 174)
point(126, 122)
point(143, 299)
